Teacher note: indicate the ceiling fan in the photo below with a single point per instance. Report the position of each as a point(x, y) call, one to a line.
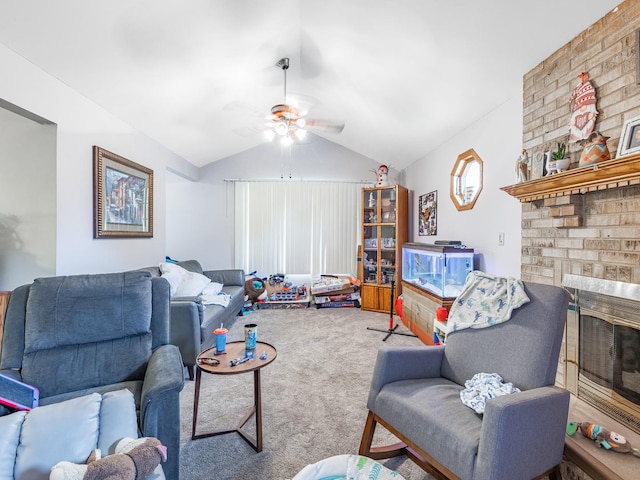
point(288, 120)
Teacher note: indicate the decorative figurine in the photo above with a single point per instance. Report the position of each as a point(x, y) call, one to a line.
point(595, 150)
point(583, 118)
point(372, 200)
point(550, 164)
point(522, 167)
point(383, 176)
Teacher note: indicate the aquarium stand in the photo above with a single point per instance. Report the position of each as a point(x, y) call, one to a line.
point(392, 329)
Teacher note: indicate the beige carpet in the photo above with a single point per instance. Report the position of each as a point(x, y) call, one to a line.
point(314, 397)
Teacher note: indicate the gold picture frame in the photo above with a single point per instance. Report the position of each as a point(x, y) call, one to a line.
point(122, 197)
point(629, 138)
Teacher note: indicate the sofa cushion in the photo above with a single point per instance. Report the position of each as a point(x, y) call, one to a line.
point(10, 426)
point(68, 430)
point(191, 265)
point(86, 309)
point(73, 323)
point(437, 402)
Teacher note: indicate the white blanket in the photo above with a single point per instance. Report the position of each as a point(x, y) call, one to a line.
point(217, 299)
point(485, 300)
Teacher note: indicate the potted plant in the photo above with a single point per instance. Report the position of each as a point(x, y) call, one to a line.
point(562, 163)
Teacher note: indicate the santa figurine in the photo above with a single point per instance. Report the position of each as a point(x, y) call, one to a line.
point(383, 176)
point(583, 118)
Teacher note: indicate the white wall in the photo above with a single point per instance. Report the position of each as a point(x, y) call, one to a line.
point(27, 200)
point(199, 214)
point(80, 125)
point(497, 139)
point(207, 206)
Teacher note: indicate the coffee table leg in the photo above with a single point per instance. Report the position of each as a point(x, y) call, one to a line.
point(196, 400)
point(257, 395)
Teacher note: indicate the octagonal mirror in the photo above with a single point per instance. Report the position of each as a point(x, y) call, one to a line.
point(466, 180)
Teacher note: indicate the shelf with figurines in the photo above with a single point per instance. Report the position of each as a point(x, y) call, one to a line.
point(618, 172)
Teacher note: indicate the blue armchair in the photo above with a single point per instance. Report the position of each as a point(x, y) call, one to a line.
point(415, 394)
point(71, 336)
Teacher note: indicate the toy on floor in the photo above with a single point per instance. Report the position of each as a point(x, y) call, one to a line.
point(134, 459)
point(255, 289)
point(604, 438)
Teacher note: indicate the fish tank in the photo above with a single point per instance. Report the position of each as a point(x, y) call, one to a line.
point(438, 269)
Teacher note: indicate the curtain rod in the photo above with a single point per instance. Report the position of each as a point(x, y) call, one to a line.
point(292, 180)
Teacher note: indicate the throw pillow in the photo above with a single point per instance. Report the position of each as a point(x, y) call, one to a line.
point(213, 288)
point(174, 279)
point(192, 285)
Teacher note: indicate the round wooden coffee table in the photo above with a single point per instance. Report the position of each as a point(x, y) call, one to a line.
point(234, 350)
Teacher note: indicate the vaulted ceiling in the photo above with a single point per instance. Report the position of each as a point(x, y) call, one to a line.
point(199, 76)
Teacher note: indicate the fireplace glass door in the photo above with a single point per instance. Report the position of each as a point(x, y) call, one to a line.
point(610, 355)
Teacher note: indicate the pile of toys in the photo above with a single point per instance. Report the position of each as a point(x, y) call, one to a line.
point(282, 291)
point(336, 291)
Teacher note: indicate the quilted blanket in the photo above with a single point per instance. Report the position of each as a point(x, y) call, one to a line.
point(485, 300)
point(483, 387)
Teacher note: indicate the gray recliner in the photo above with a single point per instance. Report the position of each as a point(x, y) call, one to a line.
point(74, 335)
point(415, 394)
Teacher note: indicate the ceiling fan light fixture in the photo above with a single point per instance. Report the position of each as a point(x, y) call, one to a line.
point(269, 135)
point(287, 141)
point(281, 128)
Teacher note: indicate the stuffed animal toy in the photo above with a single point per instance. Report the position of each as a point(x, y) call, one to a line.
point(603, 437)
point(134, 459)
point(255, 289)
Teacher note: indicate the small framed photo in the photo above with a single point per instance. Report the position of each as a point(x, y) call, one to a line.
point(122, 197)
point(629, 138)
point(427, 214)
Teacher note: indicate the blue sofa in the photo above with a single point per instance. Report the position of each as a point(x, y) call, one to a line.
point(192, 323)
point(77, 335)
point(33, 442)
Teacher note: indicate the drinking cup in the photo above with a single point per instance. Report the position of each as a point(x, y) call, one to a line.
point(221, 339)
point(250, 336)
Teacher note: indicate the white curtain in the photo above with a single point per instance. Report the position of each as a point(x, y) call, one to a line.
point(297, 227)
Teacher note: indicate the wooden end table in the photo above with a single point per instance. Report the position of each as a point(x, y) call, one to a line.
point(235, 350)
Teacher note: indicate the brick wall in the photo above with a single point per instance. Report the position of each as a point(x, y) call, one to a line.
point(596, 234)
point(606, 245)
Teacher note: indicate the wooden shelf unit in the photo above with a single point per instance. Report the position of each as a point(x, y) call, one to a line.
point(619, 172)
point(384, 231)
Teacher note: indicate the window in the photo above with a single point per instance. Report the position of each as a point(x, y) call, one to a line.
point(296, 227)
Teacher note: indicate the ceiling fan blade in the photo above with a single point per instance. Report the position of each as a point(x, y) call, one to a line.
point(251, 130)
point(324, 125)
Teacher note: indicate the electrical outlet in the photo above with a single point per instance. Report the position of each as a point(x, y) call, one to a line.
point(501, 239)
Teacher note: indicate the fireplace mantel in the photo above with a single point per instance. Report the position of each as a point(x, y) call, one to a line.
point(619, 172)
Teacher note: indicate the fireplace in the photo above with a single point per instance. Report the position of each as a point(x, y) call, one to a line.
point(602, 356)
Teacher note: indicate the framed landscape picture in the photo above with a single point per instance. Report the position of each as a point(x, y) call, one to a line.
point(122, 197)
point(427, 214)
